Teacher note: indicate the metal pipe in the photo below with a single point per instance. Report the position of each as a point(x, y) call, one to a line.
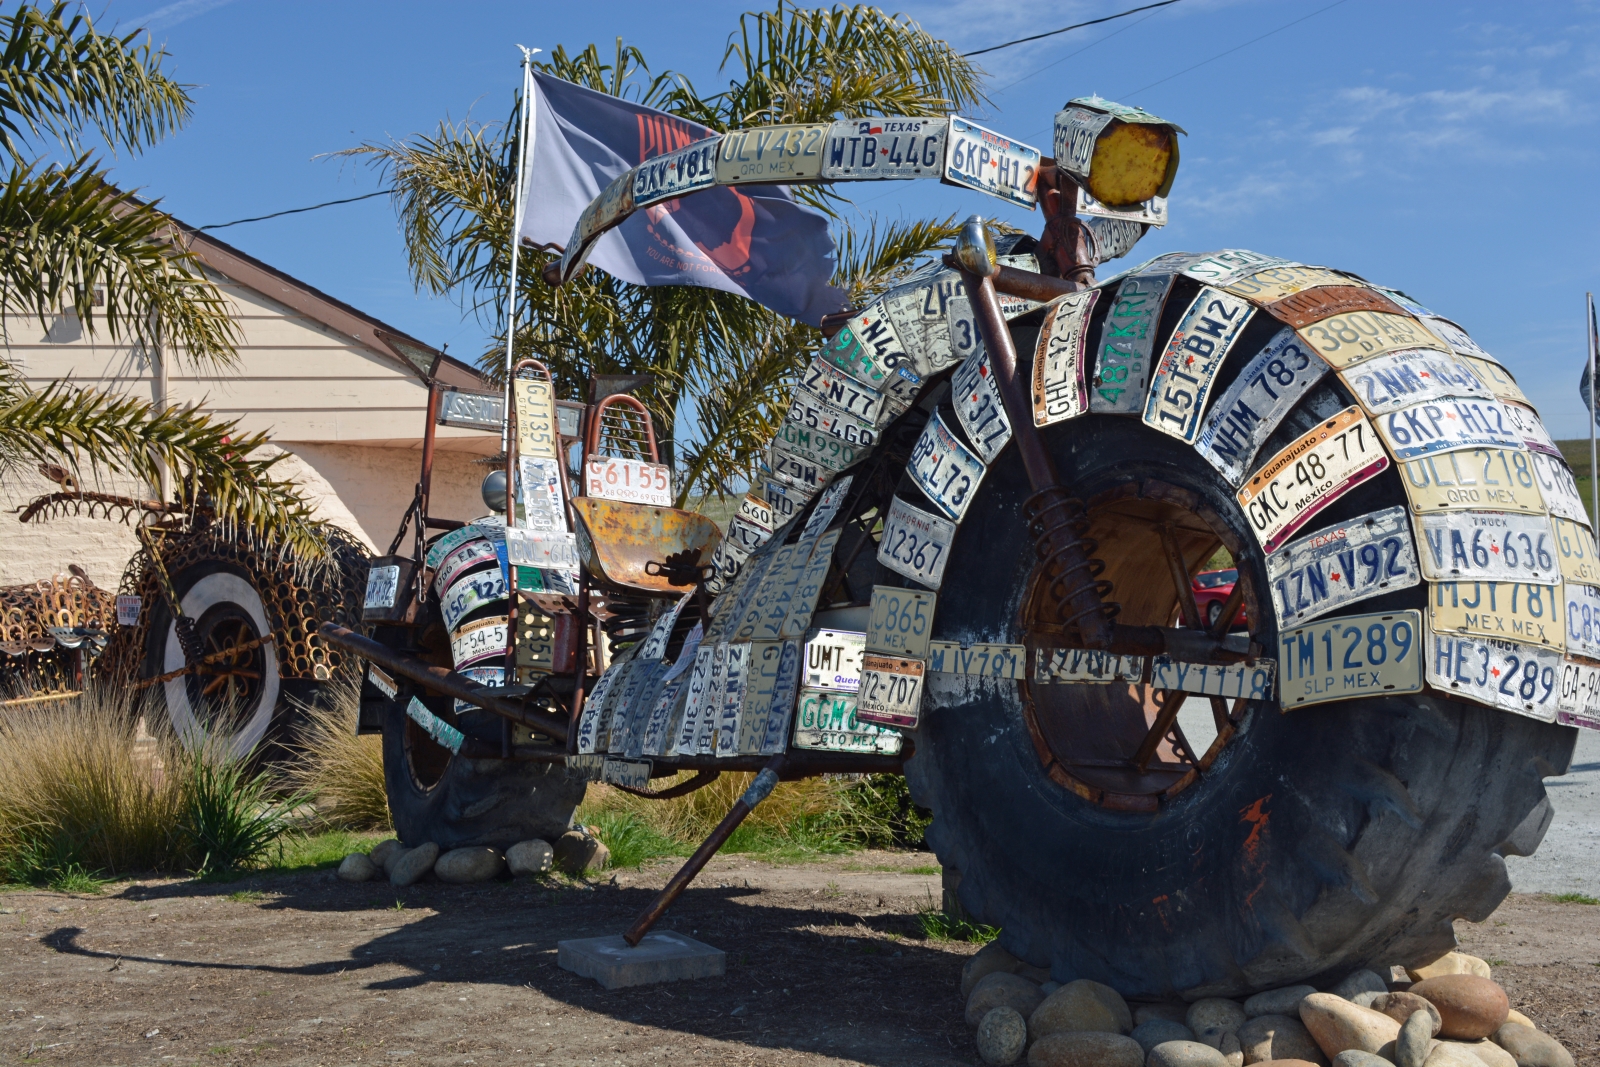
point(759, 790)
point(1013, 281)
point(1594, 412)
point(441, 680)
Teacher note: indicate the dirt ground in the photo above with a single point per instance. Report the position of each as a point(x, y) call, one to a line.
point(826, 965)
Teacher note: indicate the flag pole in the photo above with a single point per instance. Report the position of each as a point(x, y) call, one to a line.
point(511, 295)
point(1594, 475)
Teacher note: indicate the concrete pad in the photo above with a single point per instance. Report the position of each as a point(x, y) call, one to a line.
point(660, 957)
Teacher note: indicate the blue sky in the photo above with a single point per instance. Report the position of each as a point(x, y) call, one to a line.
point(1447, 149)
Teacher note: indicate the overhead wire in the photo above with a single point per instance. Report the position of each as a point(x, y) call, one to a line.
point(296, 210)
point(1234, 49)
point(1064, 29)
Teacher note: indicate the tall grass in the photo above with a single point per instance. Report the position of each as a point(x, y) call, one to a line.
point(342, 771)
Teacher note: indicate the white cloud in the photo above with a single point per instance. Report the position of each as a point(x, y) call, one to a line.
point(172, 14)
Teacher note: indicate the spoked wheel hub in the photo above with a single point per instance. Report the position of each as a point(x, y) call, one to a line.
point(232, 676)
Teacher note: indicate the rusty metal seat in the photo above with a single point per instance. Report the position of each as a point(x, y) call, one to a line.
point(617, 539)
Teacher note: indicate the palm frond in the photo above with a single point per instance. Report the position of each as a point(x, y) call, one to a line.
point(873, 261)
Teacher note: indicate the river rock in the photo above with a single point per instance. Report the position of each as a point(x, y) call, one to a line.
point(1471, 1007)
point(1172, 1010)
point(1354, 1057)
point(1336, 1025)
point(1530, 1048)
point(1452, 1054)
point(986, 961)
point(1285, 1001)
point(1212, 1017)
point(578, 851)
point(1084, 1049)
point(1278, 1037)
point(1490, 1053)
point(1515, 1016)
point(462, 866)
point(1231, 1050)
point(1000, 990)
point(1362, 981)
point(1036, 975)
point(1401, 1006)
point(1286, 1063)
point(1049, 987)
point(381, 851)
point(1450, 963)
point(1156, 1031)
point(1365, 998)
point(1415, 1042)
point(1184, 1054)
point(1081, 1006)
point(410, 866)
point(530, 857)
point(1002, 1036)
point(356, 867)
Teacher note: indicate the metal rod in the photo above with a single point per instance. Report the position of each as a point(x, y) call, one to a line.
point(1181, 585)
point(516, 243)
point(1593, 330)
point(758, 791)
point(1158, 729)
point(1014, 281)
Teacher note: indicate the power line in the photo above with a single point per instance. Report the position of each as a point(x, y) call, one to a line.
point(1064, 29)
point(297, 210)
point(1234, 49)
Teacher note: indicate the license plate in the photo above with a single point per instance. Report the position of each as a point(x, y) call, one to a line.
point(1342, 564)
point(672, 174)
point(919, 313)
point(833, 659)
point(471, 554)
point(735, 680)
point(827, 507)
point(628, 773)
point(536, 649)
point(809, 413)
point(1076, 131)
point(1086, 666)
point(1405, 301)
point(1324, 302)
point(1152, 212)
point(1478, 478)
point(1575, 549)
point(1559, 488)
point(891, 691)
point(799, 474)
point(1526, 422)
point(1582, 603)
point(1507, 611)
point(535, 404)
point(809, 587)
point(1006, 662)
point(698, 685)
point(983, 160)
point(1271, 284)
point(1497, 378)
point(1388, 383)
point(1252, 681)
point(746, 535)
point(1229, 265)
point(1350, 657)
point(593, 704)
point(543, 503)
point(1579, 701)
point(944, 469)
point(469, 594)
point(763, 619)
point(862, 346)
point(1454, 336)
point(826, 721)
point(978, 406)
point(1112, 238)
point(1193, 356)
point(382, 682)
point(829, 384)
point(1493, 546)
point(900, 621)
point(478, 640)
point(382, 585)
point(1122, 366)
point(1502, 674)
point(435, 727)
point(786, 501)
point(885, 148)
point(449, 543)
point(551, 550)
point(730, 608)
point(915, 543)
point(1059, 389)
point(772, 154)
point(1309, 475)
point(1245, 415)
point(472, 411)
point(630, 480)
point(1446, 426)
point(128, 607)
point(1347, 339)
point(617, 719)
point(759, 692)
point(776, 731)
point(655, 646)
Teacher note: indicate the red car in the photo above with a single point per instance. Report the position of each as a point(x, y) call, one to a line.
point(1211, 590)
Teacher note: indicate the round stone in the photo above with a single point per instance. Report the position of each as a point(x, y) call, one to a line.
point(1356, 1058)
point(1184, 1054)
point(1362, 981)
point(462, 866)
point(1401, 1006)
point(1212, 1017)
point(1471, 1007)
point(987, 960)
point(1278, 1037)
point(1415, 1042)
point(381, 851)
point(1156, 1031)
point(1450, 963)
point(530, 857)
point(1172, 1010)
point(1232, 1051)
point(1002, 990)
point(1083, 1006)
point(1336, 1025)
point(412, 865)
point(578, 851)
point(1285, 1001)
point(1530, 1048)
point(1084, 1049)
point(356, 867)
point(1452, 1054)
point(1515, 1016)
point(1490, 1053)
point(1002, 1036)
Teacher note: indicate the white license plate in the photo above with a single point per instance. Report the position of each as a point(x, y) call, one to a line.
point(1086, 666)
point(978, 406)
point(811, 446)
point(616, 725)
point(469, 555)
point(759, 690)
point(1454, 336)
point(1253, 681)
point(827, 507)
point(919, 312)
point(785, 501)
point(551, 550)
point(1575, 549)
point(543, 500)
point(812, 414)
point(1580, 693)
point(1076, 131)
point(1505, 611)
point(1247, 412)
point(1582, 603)
point(382, 585)
point(1342, 564)
point(833, 659)
point(535, 403)
point(775, 733)
point(1445, 426)
point(469, 594)
point(829, 384)
point(1008, 662)
point(589, 767)
point(382, 682)
point(730, 608)
point(629, 773)
point(477, 640)
point(984, 160)
point(799, 473)
point(772, 154)
point(1228, 266)
point(1127, 337)
point(1495, 546)
point(1497, 378)
point(891, 691)
point(1310, 474)
point(944, 469)
point(763, 619)
point(1271, 284)
point(694, 703)
point(1349, 657)
point(747, 535)
point(1507, 675)
point(449, 543)
point(655, 646)
point(754, 510)
point(1355, 336)
point(1480, 478)
point(900, 621)
point(435, 727)
point(866, 348)
point(726, 563)
point(1152, 212)
point(1059, 389)
point(915, 543)
point(1559, 488)
point(1526, 422)
point(593, 705)
point(885, 148)
point(809, 587)
point(674, 173)
point(735, 680)
point(826, 721)
point(1194, 354)
point(128, 608)
point(630, 480)
point(1388, 383)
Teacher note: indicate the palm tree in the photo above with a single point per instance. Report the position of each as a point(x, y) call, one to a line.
point(719, 361)
point(72, 242)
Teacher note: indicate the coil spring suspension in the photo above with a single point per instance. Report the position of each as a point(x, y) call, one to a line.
point(629, 621)
point(1074, 590)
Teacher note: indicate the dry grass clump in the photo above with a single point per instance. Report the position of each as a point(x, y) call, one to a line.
point(343, 771)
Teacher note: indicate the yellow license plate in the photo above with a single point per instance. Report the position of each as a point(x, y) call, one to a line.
point(536, 417)
point(1509, 611)
point(1310, 474)
point(772, 154)
point(1352, 656)
point(1575, 548)
point(1275, 283)
point(1500, 383)
point(1494, 479)
point(1358, 335)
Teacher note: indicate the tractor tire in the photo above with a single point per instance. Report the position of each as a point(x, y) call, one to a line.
point(1316, 841)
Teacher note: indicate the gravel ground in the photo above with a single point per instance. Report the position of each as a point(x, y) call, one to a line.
point(1569, 859)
